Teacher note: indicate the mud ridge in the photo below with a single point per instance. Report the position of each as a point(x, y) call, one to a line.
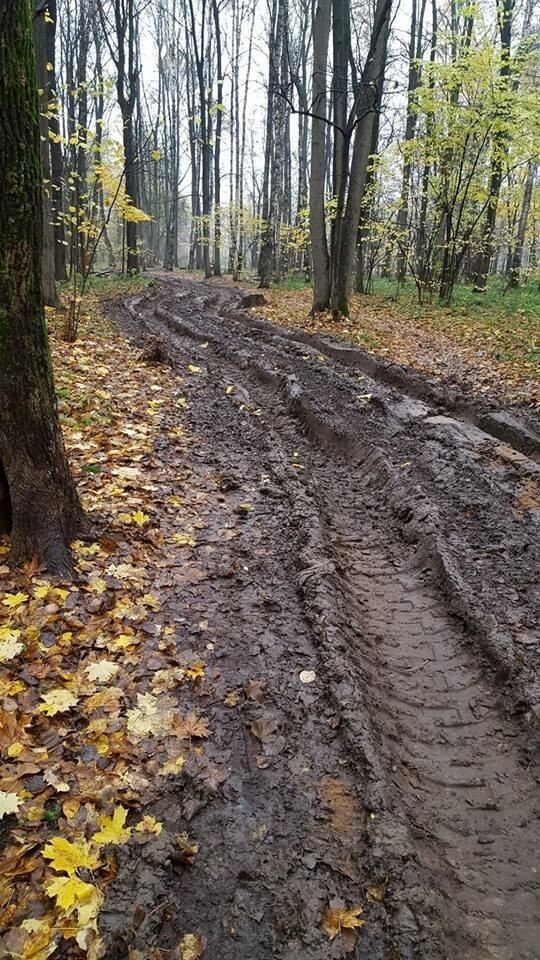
point(405, 500)
point(402, 634)
point(501, 424)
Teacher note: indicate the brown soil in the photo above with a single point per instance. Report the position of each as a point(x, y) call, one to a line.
point(387, 541)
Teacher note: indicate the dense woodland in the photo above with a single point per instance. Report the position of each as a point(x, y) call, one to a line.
point(334, 142)
point(341, 141)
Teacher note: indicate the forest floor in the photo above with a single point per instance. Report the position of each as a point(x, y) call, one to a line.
point(484, 347)
point(289, 706)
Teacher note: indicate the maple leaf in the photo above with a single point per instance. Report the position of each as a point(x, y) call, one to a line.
point(123, 640)
point(172, 767)
point(184, 540)
point(140, 518)
point(50, 777)
point(97, 586)
point(102, 671)
point(41, 591)
point(264, 729)
point(13, 600)
point(144, 719)
point(150, 601)
point(337, 918)
point(191, 947)
point(40, 944)
point(60, 594)
point(149, 824)
point(191, 726)
point(69, 891)
point(10, 645)
point(9, 803)
point(113, 829)
point(58, 700)
point(196, 671)
point(68, 857)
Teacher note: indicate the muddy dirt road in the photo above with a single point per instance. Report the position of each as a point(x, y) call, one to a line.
point(390, 545)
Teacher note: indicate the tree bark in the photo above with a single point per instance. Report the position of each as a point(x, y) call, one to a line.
point(34, 474)
point(317, 221)
point(504, 12)
point(57, 156)
point(217, 147)
point(415, 52)
point(50, 297)
point(516, 255)
point(268, 227)
point(366, 109)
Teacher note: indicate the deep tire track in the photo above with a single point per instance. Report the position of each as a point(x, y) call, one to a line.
point(454, 804)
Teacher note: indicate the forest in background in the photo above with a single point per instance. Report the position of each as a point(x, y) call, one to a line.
point(339, 142)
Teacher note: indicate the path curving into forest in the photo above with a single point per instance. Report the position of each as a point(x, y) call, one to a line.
point(394, 550)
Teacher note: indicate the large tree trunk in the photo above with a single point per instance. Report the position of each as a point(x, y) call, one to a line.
point(34, 474)
point(367, 108)
point(317, 223)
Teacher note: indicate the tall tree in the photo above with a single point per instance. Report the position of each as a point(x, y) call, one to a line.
point(364, 117)
point(505, 9)
point(40, 501)
point(317, 220)
point(119, 24)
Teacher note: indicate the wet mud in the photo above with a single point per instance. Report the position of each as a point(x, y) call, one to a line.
point(391, 547)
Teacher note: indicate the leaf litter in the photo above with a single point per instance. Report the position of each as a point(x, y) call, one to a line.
point(92, 727)
point(103, 687)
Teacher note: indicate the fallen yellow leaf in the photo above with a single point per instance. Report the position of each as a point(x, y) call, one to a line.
point(56, 701)
point(191, 947)
point(149, 824)
point(69, 857)
point(13, 600)
point(68, 891)
point(337, 918)
point(113, 829)
point(140, 518)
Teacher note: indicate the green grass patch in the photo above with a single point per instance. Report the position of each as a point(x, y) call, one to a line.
point(111, 285)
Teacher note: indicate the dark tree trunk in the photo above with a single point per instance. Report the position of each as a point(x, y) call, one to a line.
point(57, 156)
point(206, 150)
point(367, 107)
point(217, 147)
point(35, 481)
point(41, 27)
point(415, 53)
point(268, 228)
point(516, 254)
point(317, 222)
point(123, 50)
point(505, 10)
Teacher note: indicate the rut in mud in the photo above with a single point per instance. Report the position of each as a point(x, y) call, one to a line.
point(394, 551)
